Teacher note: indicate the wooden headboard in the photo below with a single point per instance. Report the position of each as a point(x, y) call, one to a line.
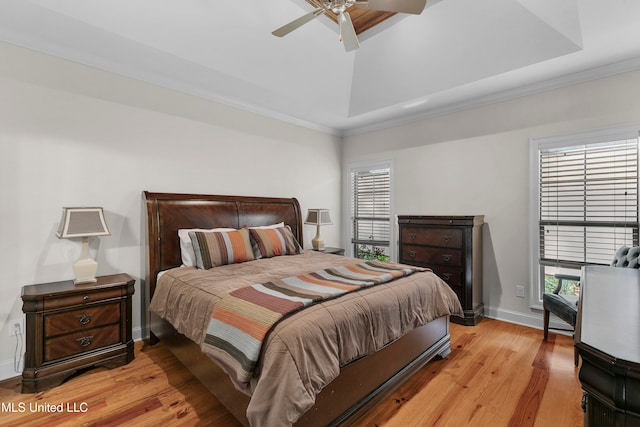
point(169, 212)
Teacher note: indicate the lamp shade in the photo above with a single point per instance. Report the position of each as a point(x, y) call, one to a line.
point(318, 217)
point(82, 222)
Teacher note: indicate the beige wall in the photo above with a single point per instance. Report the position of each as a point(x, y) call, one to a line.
point(71, 135)
point(477, 162)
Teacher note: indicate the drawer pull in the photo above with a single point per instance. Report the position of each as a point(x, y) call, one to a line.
point(84, 319)
point(412, 254)
point(412, 236)
point(85, 341)
point(446, 276)
point(446, 239)
point(447, 258)
point(85, 298)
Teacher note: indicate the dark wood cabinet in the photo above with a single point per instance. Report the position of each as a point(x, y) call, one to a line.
point(608, 341)
point(71, 327)
point(452, 247)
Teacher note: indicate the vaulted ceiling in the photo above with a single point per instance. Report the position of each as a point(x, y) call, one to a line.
point(456, 54)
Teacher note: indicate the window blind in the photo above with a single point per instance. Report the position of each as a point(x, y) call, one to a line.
point(588, 202)
point(371, 207)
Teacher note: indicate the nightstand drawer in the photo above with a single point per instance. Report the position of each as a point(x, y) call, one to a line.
point(79, 342)
point(430, 256)
point(81, 319)
point(81, 298)
point(442, 237)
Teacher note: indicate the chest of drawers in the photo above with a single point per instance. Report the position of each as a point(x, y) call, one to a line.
point(71, 327)
point(452, 247)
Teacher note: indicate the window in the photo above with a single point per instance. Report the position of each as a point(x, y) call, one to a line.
point(371, 211)
point(587, 204)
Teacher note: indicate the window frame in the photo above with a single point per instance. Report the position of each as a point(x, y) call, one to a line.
point(349, 198)
point(630, 131)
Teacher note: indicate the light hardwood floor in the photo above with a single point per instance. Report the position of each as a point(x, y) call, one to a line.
point(498, 374)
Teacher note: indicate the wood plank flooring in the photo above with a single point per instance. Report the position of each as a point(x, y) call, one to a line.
point(498, 374)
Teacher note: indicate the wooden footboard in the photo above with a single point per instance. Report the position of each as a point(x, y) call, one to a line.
point(359, 387)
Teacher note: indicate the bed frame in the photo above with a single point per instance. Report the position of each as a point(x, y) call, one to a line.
point(360, 385)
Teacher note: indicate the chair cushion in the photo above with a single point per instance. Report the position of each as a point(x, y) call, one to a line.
point(626, 257)
point(561, 307)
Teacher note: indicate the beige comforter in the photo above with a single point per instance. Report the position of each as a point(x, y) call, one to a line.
point(304, 352)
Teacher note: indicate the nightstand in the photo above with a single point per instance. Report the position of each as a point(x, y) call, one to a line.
point(71, 327)
point(329, 250)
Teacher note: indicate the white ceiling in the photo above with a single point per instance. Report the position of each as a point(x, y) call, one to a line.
point(456, 54)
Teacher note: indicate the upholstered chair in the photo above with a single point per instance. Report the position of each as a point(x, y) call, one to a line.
point(566, 310)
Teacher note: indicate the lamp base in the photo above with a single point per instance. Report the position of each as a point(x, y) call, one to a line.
point(85, 271)
point(317, 243)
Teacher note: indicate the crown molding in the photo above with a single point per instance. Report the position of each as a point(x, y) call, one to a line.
point(566, 80)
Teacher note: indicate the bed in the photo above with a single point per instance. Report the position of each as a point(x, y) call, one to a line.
point(364, 377)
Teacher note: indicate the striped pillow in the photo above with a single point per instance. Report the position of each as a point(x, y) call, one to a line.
point(213, 249)
point(275, 241)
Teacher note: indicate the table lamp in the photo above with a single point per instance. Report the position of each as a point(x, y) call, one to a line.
point(318, 217)
point(83, 222)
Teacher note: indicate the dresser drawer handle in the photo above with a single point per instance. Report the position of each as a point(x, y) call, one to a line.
point(85, 341)
point(446, 276)
point(412, 236)
point(412, 254)
point(84, 319)
point(447, 258)
point(446, 239)
point(85, 298)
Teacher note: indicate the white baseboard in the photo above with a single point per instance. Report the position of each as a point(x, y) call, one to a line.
point(532, 320)
point(7, 368)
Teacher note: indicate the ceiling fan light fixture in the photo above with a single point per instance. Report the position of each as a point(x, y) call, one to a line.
point(338, 6)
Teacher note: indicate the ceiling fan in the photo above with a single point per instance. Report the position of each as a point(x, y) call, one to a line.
point(339, 7)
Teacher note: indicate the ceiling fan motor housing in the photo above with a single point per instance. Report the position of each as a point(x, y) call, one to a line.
point(338, 6)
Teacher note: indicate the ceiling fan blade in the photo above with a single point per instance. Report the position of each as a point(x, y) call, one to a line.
point(297, 23)
point(414, 7)
point(347, 32)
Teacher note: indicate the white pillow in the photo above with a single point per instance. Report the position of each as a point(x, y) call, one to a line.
point(186, 247)
point(278, 225)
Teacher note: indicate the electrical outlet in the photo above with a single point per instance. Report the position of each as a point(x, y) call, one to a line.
point(520, 291)
point(15, 327)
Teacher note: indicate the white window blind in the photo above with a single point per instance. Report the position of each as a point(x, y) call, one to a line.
point(588, 204)
point(371, 209)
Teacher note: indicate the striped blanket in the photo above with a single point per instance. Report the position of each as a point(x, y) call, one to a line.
point(241, 321)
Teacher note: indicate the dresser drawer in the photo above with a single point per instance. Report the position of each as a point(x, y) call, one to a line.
point(81, 319)
point(81, 298)
point(81, 341)
point(430, 256)
point(442, 237)
point(453, 276)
